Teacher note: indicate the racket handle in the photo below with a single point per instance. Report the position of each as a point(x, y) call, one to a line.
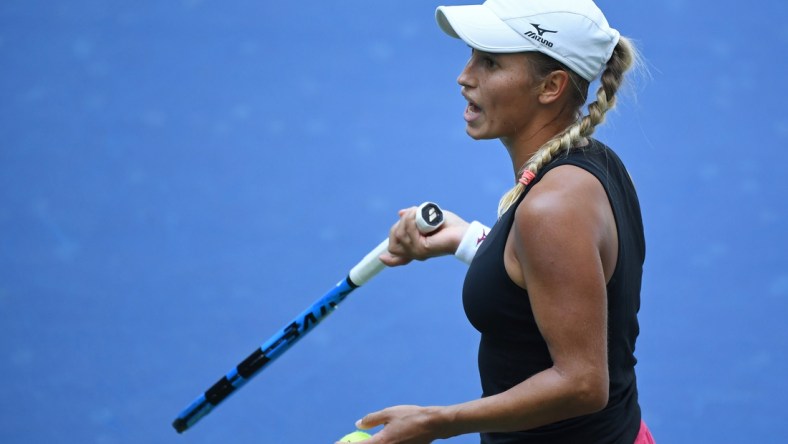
point(429, 218)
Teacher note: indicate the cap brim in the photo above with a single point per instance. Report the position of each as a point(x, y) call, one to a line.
point(481, 29)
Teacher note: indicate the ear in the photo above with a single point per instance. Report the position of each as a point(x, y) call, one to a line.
point(553, 87)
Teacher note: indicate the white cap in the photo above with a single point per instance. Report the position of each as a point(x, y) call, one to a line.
point(574, 32)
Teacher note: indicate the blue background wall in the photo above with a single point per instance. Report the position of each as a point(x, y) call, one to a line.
point(179, 179)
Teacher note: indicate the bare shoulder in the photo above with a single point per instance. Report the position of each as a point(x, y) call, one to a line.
point(565, 224)
point(565, 195)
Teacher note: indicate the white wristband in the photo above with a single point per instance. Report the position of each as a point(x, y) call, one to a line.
point(471, 240)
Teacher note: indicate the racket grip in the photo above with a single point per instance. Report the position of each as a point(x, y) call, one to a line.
point(429, 218)
point(369, 266)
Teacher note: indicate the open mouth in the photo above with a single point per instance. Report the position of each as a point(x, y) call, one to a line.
point(472, 111)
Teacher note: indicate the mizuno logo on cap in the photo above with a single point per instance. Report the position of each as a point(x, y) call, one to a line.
point(539, 37)
point(540, 30)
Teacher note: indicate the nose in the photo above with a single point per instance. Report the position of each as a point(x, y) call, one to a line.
point(466, 79)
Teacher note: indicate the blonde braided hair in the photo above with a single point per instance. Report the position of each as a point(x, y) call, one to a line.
point(623, 57)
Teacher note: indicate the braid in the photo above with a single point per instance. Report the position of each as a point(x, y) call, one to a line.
point(624, 55)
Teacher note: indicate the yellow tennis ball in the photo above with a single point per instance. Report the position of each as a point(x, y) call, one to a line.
point(356, 436)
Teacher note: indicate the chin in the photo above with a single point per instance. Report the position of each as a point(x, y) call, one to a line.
point(476, 134)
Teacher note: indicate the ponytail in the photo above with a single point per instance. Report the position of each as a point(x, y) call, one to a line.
point(623, 57)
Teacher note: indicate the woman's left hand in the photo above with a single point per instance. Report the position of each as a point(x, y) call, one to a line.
point(404, 424)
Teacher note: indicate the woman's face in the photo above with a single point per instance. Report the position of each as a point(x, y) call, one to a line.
point(501, 95)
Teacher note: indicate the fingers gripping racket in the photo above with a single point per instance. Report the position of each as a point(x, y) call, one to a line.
point(428, 218)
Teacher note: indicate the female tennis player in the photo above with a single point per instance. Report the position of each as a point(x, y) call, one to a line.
point(554, 288)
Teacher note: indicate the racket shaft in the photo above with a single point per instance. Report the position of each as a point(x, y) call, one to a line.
point(429, 218)
point(261, 357)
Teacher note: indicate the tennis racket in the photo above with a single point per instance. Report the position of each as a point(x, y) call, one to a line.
point(429, 218)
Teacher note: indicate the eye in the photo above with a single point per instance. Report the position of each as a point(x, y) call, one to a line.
point(484, 59)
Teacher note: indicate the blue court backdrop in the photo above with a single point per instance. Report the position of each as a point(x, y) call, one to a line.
point(179, 179)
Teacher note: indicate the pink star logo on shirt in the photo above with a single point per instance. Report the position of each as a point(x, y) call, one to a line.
point(482, 238)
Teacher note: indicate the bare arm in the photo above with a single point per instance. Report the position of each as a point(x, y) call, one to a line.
point(559, 243)
point(561, 235)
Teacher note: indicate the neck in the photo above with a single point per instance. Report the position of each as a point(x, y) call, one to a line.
point(524, 144)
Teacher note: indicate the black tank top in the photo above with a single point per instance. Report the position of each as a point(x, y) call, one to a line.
point(512, 349)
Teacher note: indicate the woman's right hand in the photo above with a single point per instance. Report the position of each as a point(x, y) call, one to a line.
point(407, 243)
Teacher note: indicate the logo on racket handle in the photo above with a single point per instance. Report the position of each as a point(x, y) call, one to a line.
point(429, 217)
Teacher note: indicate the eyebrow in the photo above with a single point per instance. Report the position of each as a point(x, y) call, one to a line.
point(491, 54)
